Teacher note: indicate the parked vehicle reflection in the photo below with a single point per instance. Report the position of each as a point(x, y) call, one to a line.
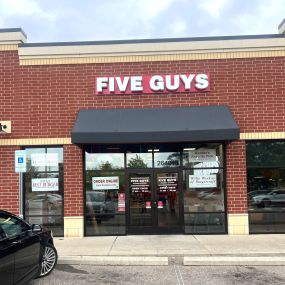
point(100, 205)
point(272, 199)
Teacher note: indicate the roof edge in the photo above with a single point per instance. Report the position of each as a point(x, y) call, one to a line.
point(158, 40)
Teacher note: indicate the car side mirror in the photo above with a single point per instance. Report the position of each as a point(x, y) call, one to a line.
point(36, 228)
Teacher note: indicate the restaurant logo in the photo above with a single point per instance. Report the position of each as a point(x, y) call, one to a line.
point(177, 83)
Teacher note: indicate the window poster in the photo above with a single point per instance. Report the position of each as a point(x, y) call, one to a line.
point(44, 159)
point(202, 181)
point(202, 155)
point(140, 184)
point(105, 183)
point(45, 184)
point(121, 202)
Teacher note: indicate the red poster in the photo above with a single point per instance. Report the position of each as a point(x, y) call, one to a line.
point(147, 204)
point(160, 205)
point(121, 202)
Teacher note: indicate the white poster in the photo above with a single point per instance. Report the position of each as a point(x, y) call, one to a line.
point(105, 183)
point(44, 159)
point(45, 184)
point(202, 181)
point(202, 155)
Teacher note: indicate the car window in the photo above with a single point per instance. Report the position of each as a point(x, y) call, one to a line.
point(12, 226)
point(2, 235)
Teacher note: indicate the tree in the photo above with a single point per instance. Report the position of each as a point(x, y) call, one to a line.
point(137, 162)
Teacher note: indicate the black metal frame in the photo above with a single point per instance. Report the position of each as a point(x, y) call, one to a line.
point(24, 185)
point(154, 229)
point(154, 170)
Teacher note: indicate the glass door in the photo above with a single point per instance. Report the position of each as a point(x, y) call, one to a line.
point(141, 202)
point(154, 202)
point(168, 201)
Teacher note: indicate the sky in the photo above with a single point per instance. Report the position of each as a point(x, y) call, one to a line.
point(95, 20)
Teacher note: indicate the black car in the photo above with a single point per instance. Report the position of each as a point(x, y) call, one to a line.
point(26, 251)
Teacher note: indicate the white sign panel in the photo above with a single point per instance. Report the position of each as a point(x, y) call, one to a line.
point(20, 161)
point(45, 184)
point(105, 183)
point(202, 154)
point(202, 181)
point(44, 159)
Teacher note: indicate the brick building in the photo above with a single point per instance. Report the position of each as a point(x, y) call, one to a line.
point(145, 136)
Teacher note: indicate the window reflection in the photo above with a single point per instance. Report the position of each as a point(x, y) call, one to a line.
point(166, 159)
point(203, 156)
point(104, 161)
point(43, 184)
point(204, 209)
point(266, 192)
point(266, 186)
point(139, 160)
point(203, 193)
point(105, 202)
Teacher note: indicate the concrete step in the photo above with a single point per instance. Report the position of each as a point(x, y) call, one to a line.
point(114, 260)
point(233, 260)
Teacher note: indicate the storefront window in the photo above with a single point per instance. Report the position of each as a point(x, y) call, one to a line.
point(105, 194)
point(138, 188)
point(43, 188)
point(166, 159)
point(139, 160)
point(204, 201)
point(203, 156)
point(104, 161)
point(266, 186)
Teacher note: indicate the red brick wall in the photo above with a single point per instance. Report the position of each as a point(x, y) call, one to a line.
point(73, 179)
point(9, 97)
point(43, 101)
point(9, 180)
point(252, 88)
point(236, 177)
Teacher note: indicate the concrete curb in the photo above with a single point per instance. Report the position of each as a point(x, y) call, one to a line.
point(114, 260)
point(233, 260)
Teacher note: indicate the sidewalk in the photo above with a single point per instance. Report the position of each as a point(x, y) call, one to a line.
point(166, 249)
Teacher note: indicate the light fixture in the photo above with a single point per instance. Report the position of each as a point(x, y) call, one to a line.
point(156, 150)
point(189, 148)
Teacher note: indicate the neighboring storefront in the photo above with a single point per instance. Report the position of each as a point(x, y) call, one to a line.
point(170, 136)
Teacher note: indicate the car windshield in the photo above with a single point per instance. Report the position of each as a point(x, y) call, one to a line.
point(96, 196)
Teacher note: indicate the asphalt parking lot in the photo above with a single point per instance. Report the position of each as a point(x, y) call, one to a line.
point(166, 275)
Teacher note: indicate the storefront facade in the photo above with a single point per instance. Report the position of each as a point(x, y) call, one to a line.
point(145, 137)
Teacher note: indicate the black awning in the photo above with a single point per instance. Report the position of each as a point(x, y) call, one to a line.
point(205, 123)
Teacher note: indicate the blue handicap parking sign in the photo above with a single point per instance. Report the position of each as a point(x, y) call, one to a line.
point(20, 160)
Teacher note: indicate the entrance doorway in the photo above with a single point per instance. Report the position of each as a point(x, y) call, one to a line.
point(154, 202)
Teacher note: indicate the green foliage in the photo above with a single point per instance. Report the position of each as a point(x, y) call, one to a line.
point(137, 162)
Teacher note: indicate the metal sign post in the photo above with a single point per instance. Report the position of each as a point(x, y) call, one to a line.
point(20, 167)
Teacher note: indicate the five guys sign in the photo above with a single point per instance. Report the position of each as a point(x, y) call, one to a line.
point(194, 82)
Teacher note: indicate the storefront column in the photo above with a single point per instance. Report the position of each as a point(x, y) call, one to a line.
point(73, 192)
point(9, 186)
point(236, 188)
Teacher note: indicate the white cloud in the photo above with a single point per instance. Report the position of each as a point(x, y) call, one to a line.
point(213, 7)
point(178, 28)
point(149, 9)
point(267, 17)
point(9, 8)
point(72, 20)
